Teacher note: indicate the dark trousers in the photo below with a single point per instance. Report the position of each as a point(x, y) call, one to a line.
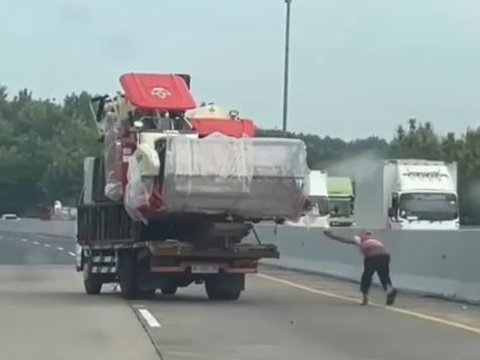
point(379, 264)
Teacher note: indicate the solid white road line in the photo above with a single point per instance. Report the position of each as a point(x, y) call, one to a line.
point(149, 318)
point(60, 248)
point(71, 253)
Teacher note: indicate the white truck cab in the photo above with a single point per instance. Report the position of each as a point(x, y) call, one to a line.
point(421, 195)
point(318, 214)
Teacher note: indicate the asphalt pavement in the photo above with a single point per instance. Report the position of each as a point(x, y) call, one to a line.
point(286, 315)
point(282, 315)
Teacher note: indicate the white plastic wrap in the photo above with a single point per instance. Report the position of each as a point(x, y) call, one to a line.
point(248, 177)
point(138, 191)
point(113, 158)
point(225, 161)
point(311, 215)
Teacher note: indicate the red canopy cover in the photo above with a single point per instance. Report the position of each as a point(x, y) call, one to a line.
point(157, 91)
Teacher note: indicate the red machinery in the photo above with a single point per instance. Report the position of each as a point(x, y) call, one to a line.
point(153, 112)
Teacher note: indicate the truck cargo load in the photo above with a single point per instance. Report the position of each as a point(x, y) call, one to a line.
point(164, 164)
point(251, 178)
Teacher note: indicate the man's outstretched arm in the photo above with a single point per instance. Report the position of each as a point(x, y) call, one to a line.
point(342, 239)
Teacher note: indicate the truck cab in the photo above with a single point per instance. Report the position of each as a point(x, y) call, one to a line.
point(422, 195)
point(341, 199)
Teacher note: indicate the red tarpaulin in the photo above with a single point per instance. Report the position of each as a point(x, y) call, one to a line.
point(234, 128)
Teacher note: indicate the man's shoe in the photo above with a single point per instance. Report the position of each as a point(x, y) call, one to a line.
point(391, 296)
point(364, 300)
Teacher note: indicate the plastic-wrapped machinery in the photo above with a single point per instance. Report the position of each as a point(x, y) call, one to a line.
point(253, 178)
point(113, 158)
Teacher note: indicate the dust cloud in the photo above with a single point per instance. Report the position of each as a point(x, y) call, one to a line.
point(474, 192)
point(360, 167)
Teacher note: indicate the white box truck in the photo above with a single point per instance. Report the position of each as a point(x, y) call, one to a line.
point(414, 194)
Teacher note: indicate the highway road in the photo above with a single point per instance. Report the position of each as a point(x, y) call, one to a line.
point(282, 315)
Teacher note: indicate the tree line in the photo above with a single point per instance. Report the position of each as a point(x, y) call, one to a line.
point(42, 146)
point(43, 143)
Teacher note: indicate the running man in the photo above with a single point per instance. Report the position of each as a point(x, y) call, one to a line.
point(376, 259)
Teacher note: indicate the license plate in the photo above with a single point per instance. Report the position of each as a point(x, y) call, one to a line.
point(204, 269)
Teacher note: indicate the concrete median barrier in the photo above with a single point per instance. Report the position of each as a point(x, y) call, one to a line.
point(438, 263)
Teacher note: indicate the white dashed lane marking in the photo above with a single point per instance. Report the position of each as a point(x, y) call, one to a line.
point(59, 248)
point(149, 318)
point(41, 243)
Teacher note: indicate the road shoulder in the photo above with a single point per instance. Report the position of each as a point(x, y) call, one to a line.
point(444, 312)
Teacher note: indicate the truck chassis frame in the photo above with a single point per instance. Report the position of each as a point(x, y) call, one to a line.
point(112, 248)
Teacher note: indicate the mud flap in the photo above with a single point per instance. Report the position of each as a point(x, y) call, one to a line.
point(79, 257)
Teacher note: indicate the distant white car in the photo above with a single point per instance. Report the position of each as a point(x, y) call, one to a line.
point(10, 217)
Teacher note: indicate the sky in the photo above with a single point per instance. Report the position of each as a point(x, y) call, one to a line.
point(357, 67)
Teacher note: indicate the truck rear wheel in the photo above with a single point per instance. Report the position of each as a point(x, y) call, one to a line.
point(146, 294)
point(225, 287)
point(215, 294)
point(91, 282)
point(127, 276)
point(170, 289)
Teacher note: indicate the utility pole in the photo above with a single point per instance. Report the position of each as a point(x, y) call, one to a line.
point(285, 71)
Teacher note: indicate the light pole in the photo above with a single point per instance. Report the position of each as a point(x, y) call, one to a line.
point(285, 71)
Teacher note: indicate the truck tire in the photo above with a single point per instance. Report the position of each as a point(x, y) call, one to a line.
point(127, 276)
point(224, 287)
point(170, 289)
point(215, 293)
point(146, 294)
point(91, 282)
point(230, 295)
